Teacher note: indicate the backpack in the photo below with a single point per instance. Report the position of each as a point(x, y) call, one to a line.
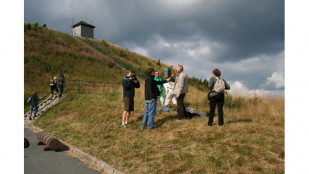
point(52, 83)
point(219, 85)
point(29, 99)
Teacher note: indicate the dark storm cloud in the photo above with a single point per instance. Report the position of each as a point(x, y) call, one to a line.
point(245, 38)
point(246, 28)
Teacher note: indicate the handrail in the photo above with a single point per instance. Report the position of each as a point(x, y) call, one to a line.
point(69, 84)
point(117, 60)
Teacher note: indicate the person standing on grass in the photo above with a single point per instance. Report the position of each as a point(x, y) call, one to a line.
point(151, 93)
point(160, 87)
point(53, 87)
point(169, 94)
point(129, 83)
point(61, 84)
point(217, 86)
point(34, 105)
point(180, 89)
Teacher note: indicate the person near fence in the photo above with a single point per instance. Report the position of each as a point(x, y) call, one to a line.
point(53, 87)
point(160, 87)
point(180, 89)
point(216, 96)
point(61, 84)
point(129, 83)
point(34, 105)
point(151, 93)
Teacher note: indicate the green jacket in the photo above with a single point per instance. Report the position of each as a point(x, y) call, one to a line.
point(160, 87)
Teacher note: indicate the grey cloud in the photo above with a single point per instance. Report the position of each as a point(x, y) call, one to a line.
point(203, 34)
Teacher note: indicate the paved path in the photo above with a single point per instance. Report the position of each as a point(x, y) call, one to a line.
point(38, 161)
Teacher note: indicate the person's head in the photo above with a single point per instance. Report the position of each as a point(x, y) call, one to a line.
point(35, 93)
point(129, 73)
point(55, 78)
point(179, 68)
point(150, 71)
point(157, 74)
point(216, 72)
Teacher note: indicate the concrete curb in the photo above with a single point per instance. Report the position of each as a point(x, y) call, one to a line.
point(88, 159)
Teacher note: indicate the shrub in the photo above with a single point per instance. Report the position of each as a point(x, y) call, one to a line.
point(27, 26)
point(111, 64)
point(159, 63)
point(232, 103)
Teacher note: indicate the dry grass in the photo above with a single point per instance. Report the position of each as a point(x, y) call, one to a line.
point(252, 140)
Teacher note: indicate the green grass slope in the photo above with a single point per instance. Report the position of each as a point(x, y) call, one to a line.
point(252, 140)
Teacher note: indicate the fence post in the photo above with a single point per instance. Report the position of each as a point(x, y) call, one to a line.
point(78, 86)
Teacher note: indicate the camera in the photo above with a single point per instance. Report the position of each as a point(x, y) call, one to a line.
point(133, 76)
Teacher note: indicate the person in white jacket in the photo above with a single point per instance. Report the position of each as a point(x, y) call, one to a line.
point(169, 94)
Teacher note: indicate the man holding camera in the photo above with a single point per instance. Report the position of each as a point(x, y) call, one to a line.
point(129, 83)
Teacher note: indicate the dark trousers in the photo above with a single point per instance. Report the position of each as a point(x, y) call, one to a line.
point(216, 100)
point(181, 109)
point(61, 90)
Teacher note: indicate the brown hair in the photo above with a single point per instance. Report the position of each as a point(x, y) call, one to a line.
point(216, 72)
point(150, 70)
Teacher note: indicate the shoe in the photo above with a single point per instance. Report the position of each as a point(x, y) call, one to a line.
point(123, 125)
point(30, 118)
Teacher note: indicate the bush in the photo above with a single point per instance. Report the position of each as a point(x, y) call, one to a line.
point(159, 63)
point(27, 26)
point(232, 103)
point(111, 64)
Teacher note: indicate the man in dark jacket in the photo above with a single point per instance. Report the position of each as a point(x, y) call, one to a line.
point(129, 83)
point(151, 93)
point(61, 84)
point(34, 105)
point(53, 87)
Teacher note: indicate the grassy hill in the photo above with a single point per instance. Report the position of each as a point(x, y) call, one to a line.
point(252, 140)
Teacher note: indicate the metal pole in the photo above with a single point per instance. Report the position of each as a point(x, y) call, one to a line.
point(72, 25)
point(78, 86)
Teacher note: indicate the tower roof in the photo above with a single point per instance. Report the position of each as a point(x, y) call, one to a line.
point(83, 23)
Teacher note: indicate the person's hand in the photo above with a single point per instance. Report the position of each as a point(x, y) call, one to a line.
point(130, 78)
point(153, 100)
point(178, 95)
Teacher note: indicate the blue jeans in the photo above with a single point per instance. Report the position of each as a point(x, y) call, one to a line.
point(35, 108)
point(150, 112)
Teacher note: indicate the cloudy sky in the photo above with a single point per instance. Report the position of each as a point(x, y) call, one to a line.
point(243, 38)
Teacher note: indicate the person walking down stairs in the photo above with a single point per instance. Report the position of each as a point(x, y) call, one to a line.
point(53, 87)
point(34, 105)
point(61, 84)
